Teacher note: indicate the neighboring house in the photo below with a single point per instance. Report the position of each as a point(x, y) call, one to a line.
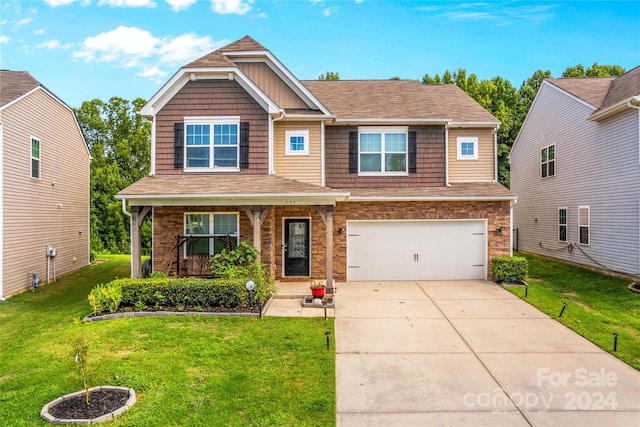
point(344, 180)
point(44, 203)
point(575, 167)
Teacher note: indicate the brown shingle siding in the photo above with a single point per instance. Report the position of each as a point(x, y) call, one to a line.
point(209, 98)
point(430, 161)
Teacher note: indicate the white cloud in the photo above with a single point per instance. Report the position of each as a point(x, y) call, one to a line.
point(4, 39)
point(359, 1)
point(132, 47)
point(225, 7)
point(54, 44)
point(498, 13)
point(4, 22)
point(39, 32)
point(315, 2)
point(330, 11)
point(127, 3)
point(178, 5)
point(56, 3)
point(22, 22)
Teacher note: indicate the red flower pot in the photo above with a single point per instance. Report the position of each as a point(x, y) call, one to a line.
point(317, 292)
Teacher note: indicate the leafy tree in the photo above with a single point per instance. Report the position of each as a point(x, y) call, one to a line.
point(329, 75)
point(394, 78)
point(119, 141)
point(596, 70)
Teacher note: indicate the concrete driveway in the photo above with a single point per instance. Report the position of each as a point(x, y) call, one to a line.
point(448, 353)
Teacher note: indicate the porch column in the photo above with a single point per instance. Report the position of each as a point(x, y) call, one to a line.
point(257, 215)
point(138, 214)
point(326, 213)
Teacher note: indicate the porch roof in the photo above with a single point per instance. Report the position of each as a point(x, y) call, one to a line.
point(225, 190)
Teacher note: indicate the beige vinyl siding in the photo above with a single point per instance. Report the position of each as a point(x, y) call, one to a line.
point(302, 168)
point(271, 85)
point(481, 170)
point(52, 210)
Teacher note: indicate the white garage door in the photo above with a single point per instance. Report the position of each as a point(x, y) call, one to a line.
point(416, 250)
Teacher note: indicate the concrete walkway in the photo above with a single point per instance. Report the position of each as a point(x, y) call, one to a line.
point(469, 353)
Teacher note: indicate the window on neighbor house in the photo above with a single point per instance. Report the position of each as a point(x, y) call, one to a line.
point(383, 151)
point(548, 161)
point(584, 225)
point(467, 148)
point(35, 158)
point(224, 226)
point(562, 224)
point(297, 142)
point(212, 143)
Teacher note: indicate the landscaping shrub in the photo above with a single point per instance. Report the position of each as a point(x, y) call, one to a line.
point(105, 298)
point(240, 264)
point(510, 269)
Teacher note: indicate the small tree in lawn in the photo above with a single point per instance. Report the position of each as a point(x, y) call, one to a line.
point(80, 354)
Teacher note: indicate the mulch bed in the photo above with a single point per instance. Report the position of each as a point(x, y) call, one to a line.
point(101, 402)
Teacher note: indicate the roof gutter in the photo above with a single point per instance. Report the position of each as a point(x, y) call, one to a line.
point(629, 102)
point(431, 198)
point(272, 141)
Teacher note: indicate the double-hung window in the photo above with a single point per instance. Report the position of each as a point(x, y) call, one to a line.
point(584, 225)
point(220, 229)
point(548, 161)
point(35, 158)
point(562, 224)
point(212, 143)
point(383, 150)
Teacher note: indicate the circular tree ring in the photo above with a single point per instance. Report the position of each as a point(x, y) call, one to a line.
point(110, 413)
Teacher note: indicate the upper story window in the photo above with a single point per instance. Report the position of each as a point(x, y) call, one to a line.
point(562, 224)
point(584, 224)
point(297, 143)
point(35, 158)
point(467, 148)
point(217, 230)
point(382, 151)
point(212, 143)
point(548, 161)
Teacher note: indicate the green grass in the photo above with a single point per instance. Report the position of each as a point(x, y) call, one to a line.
point(186, 371)
point(598, 304)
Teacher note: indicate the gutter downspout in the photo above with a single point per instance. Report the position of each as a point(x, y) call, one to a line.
point(495, 157)
point(272, 170)
point(446, 156)
point(630, 104)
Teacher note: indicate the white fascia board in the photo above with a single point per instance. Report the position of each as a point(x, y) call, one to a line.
point(614, 109)
point(407, 122)
point(256, 93)
point(303, 117)
point(286, 76)
point(475, 124)
point(431, 198)
point(278, 199)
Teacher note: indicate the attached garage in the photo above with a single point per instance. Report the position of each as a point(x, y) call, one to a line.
point(416, 250)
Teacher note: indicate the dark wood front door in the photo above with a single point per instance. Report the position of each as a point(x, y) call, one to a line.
point(296, 247)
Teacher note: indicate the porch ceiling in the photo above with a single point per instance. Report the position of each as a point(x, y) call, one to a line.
point(225, 190)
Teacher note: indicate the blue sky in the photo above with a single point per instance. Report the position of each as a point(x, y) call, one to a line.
point(86, 49)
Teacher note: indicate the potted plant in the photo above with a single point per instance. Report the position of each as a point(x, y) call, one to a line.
point(317, 289)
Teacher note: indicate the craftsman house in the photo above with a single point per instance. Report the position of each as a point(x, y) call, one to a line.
point(343, 180)
point(44, 204)
point(575, 167)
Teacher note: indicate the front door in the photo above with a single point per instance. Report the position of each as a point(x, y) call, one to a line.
point(296, 247)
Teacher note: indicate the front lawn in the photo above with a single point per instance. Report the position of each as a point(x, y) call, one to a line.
point(598, 304)
point(185, 370)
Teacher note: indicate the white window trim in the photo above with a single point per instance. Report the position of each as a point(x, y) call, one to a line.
point(547, 162)
point(383, 130)
point(588, 225)
point(566, 225)
point(31, 158)
point(474, 140)
point(211, 121)
point(287, 146)
point(211, 224)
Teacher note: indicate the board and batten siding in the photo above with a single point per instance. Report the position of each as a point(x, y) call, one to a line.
point(480, 170)
point(52, 210)
point(212, 98)
point(597, 164)
point(272, 85)
point(304, 168)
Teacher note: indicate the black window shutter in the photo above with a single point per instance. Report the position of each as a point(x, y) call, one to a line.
point(413, 147)
point(244, 145)
point(353, 152)
point(178, 145)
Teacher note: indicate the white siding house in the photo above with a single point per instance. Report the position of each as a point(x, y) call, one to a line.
point(575, 167)
point(44, 185)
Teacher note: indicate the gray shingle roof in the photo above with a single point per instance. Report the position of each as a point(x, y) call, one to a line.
point(592, 90)
point(14, 84)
